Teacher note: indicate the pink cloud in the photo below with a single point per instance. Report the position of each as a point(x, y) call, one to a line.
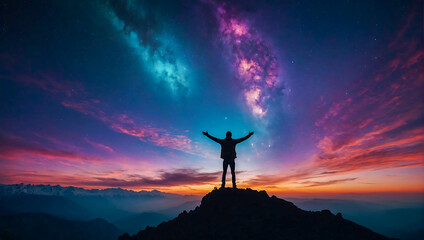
point(178, 177)
point(123, 124)
point(270, 180)
point(17, 149)
point(98, 145)
point(74, 97)
point(90, 107)
point(19, 70)
point(380, 124)
point(326, 183)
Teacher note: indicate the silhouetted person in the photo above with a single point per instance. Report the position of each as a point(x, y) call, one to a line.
point(228, 153)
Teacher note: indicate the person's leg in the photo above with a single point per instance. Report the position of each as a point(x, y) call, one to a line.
point(224, 172)
point(233, 172)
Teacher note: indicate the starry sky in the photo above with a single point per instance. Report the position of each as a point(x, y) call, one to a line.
point(101, 94)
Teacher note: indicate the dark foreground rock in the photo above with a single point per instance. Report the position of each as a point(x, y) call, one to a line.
point(248, 214)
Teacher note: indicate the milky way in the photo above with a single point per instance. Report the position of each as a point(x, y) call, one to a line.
point(155, 48)
point(252, 58)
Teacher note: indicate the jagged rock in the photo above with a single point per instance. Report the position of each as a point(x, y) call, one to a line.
point(249, 214)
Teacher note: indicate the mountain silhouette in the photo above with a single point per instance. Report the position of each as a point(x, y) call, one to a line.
point(132, 224)
point(54, 205)
point(73, 203)
point(249, 214)
point(43, 226)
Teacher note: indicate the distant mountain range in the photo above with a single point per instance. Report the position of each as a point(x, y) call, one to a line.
point(248, 214)
point(42, 226)
point(54, 205)
point(58, 190)
point(398, 220)
point(132, 211)
point(84, 204)
point(129, 211)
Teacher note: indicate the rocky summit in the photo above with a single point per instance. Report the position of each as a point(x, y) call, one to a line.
point(248, 214)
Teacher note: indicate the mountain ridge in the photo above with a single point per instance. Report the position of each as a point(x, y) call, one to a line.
point(250, 214)
point(41, 189)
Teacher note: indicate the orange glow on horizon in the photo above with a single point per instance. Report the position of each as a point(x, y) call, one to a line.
point(204, 189)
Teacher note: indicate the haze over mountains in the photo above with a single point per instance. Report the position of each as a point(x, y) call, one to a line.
point(78, 203)
point(248, 214)
point(44, 226)
point(130, 211)
point(391, 218)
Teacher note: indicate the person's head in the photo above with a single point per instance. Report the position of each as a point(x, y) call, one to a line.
point(229, 134)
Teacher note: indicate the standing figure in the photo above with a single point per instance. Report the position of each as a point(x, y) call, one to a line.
point(228, 153)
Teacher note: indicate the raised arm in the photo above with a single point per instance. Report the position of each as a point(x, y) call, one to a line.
point(244, 138)
point(212, 137)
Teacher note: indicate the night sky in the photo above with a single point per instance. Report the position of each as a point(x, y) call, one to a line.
point(101, 94)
